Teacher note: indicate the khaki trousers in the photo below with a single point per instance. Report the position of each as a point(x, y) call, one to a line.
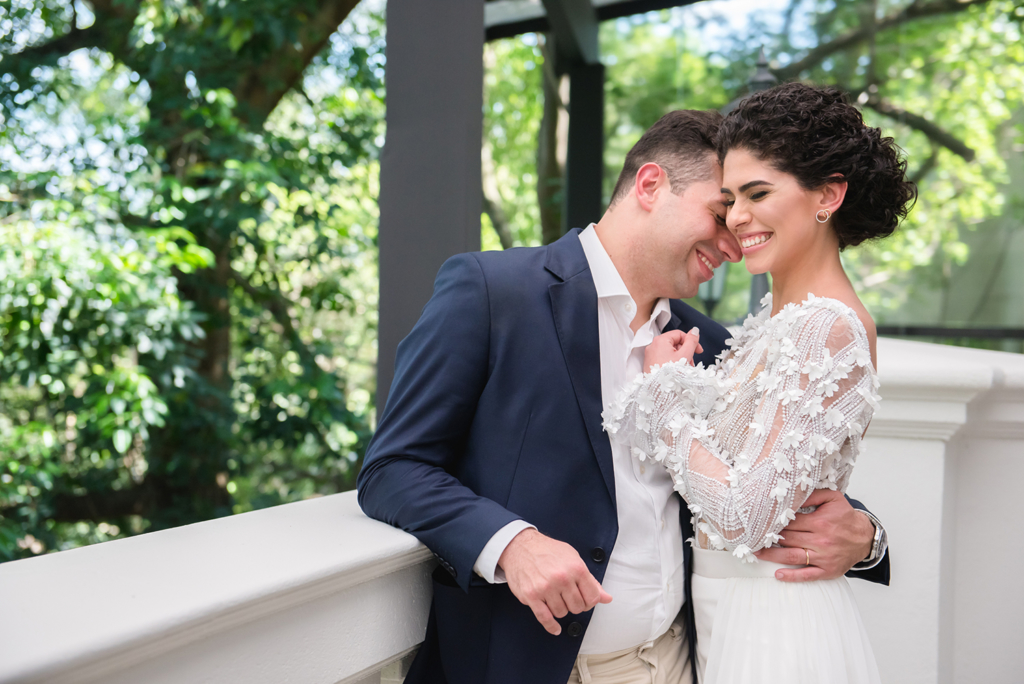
point(662, 661)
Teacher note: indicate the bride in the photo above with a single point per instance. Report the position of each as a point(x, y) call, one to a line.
point(783, 411)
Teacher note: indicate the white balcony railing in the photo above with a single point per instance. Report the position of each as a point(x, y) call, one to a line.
point(311, 592)
point(314, 592)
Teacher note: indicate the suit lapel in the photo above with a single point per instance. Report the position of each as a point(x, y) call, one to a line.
point(574, 308)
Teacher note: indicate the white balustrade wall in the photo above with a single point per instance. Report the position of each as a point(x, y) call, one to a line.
point(942, 468)
point(314, 592)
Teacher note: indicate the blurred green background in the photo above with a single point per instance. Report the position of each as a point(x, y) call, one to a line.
point(188, 267)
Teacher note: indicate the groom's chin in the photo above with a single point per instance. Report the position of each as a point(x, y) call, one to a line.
point(686, 293)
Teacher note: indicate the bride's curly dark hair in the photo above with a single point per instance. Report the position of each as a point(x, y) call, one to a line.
point(814, 133)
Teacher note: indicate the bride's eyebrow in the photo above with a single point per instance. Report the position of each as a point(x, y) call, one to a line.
point(747, 186)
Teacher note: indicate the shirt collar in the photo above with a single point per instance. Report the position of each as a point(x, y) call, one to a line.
point(607, 280)
point(662, 313)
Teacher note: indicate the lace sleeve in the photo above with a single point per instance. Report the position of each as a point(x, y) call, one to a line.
point(745, 455)
point(652, 412)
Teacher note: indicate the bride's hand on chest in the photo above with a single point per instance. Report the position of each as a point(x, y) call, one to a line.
point(675, 345)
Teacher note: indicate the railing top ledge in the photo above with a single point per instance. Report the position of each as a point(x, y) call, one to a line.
point(84, 604)
point(935, 392)
point(904, 363)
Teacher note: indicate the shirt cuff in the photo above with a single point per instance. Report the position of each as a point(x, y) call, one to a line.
point(487, 562)
point(879, 547)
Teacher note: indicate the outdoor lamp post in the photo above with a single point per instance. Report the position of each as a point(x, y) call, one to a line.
point(710, 293)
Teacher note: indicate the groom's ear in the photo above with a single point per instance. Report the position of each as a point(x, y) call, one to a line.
point(650, 179)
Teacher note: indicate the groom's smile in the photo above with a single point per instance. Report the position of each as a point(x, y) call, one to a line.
point(709, 265)
point(703, 240)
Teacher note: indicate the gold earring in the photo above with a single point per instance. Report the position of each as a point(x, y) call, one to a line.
point(817, 216)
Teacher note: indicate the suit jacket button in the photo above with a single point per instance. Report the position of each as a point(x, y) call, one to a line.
point(597, 553)
point(575, 629)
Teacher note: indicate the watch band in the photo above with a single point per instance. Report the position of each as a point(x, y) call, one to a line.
point(879, 544)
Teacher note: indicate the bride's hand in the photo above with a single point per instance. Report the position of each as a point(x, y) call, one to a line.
point(672, 346)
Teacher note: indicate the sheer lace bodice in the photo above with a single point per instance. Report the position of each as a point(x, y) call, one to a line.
point(746, 441)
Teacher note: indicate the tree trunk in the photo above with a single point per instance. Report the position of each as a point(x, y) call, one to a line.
point(492, 196)
point(550, 177)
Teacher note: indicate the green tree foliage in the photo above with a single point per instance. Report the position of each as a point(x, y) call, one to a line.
point(944, 79)
point(188, 235)
point(941, 76)
point(187, 313)
point(91, 325)
point(512, 115)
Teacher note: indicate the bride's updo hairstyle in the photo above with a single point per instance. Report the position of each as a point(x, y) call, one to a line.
point(815, 135)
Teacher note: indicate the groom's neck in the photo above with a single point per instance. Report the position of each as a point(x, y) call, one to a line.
point(613, 230)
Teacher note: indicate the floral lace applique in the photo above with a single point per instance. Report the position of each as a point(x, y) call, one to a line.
point(781, 413)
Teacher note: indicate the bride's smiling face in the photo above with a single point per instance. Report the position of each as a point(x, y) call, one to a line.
point(771, 214)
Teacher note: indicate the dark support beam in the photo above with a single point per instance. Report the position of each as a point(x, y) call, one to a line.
point(584, 165)
point(574, 27)
point(430, 198)
point(628, 8)
point(574, 23)
point(520, 16)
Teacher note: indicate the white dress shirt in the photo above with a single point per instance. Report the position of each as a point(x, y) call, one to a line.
point(645, 569)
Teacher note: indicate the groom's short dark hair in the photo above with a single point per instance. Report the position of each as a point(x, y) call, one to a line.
point(682, 143)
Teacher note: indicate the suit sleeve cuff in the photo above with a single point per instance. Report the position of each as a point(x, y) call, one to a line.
point(487, 562)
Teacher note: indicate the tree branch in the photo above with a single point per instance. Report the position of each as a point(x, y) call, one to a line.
point(276, 304)
point(870, 97)
point(550, 178)
point(50, 52)
point(114, 19)
point(492, 196)
point(551, 79)
point(498, 221)
point(934, 132)
point(261, 88)
point(915, 10)
point(787, 17)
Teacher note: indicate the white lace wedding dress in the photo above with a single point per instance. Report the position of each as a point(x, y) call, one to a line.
point(746, 442)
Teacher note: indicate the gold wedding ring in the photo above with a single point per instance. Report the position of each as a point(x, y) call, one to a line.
point(808, 554)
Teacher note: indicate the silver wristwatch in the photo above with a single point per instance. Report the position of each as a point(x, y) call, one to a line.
point(879, 544)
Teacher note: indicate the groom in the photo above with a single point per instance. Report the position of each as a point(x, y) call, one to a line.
point(562, 557)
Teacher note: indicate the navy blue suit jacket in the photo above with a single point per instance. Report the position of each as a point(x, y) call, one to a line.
point(494, 415)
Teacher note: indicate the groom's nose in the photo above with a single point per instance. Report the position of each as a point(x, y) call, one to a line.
point(728, 245)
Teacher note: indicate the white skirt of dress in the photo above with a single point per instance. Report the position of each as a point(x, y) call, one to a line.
point(754, 629)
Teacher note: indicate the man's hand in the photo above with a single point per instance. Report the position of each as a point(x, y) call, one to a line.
point(550, 577)
point(836, 537)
